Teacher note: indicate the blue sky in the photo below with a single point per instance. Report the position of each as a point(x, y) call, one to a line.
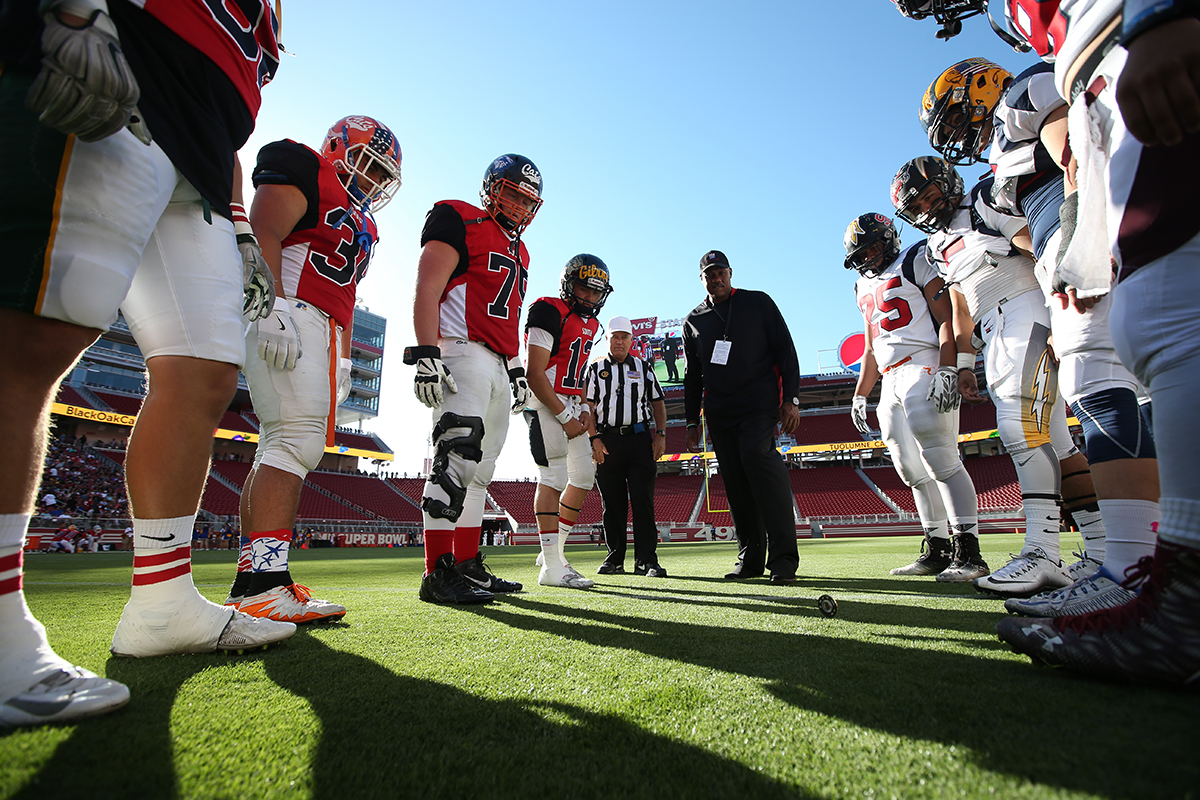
point(662, 130)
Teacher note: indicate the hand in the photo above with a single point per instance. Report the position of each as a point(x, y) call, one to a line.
point(343, 376)
point(431, 374)
point(943, 390)
point(278, 339)
point(858, 414)
point(522, 394)
point(659, 447)
point(693, 439)
point(968, 388)
point(1159, 87)
point(258, 284)
point(85, 86)
point(599, 451)
point(1069, 297)
point(573, 427)
point(789, 417)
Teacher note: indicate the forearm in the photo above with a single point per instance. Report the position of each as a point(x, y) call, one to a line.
point(544, 391)
point(660, 414)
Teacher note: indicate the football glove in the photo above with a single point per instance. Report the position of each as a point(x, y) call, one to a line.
point(258, 284)
point(431, 374)
point(858, 414)
point(85, 86)
point(278, 339)
point(943, 390)
point(343, 378)
point(522, 394)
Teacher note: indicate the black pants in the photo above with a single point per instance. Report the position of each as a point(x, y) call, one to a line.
point(672, 370)
point(760, 496)
point(627, 477)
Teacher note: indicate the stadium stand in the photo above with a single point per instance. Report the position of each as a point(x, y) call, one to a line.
point(314, 505)
point(69, 397)
point(121, 403)
point(676, 439)
point(357, 441)
point(675, 497)
point(890, 483)
point(233, 471)
point(824, 428)
point(976, 418)
point(371, 493)
point(412, 488)
point(996, 483)
point(717, 501)
point(219, 500)
point(233, 421)
point(515, 497)
point(835, 491)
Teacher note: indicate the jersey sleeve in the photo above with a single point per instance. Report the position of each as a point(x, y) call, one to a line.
point(545, 316)
point(1007, 224)
point(923, 271)
point(540, 337)
point(1027, 104)
point(288, 163)
point(444, 224)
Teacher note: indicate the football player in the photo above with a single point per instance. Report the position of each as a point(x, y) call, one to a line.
point(313, 215)
point(1135, 137)
point(984, 256)
point(471, 281)
point(911, 344)
point(98, 220)
point(558, 339)
point(1029, 122)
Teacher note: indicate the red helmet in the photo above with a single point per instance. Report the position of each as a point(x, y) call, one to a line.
point(367, 157)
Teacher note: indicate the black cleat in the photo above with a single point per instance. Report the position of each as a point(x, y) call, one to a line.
point(611, 569)
point(936, 555)
point(474, 571)
point(445, 585)
point(649, 570)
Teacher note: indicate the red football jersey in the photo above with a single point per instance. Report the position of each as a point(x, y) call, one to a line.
point(573, 337)
point(482, 300)
point(239, 37)
point(329, 250)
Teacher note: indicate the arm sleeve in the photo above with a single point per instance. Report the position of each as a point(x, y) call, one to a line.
point(540, 337)
point(288, 163)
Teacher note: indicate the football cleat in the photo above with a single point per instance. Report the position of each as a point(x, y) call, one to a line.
point(1154, 638)
point(62, 694)
point(474, 571)
point(444, 585)
point(293, 603)
point(234, 601)
point(936, 555)
point(649, 570)
point(968, 565)
point(1083, 568)
point(564, 576)
point(1025, 575)
point(191, 625)
point(611, 569)
point(540, 560)
point(1094, 593)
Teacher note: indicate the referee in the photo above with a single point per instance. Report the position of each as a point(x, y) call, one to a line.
point(622, 393)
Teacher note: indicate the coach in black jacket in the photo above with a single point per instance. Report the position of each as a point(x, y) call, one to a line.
point(742, 368)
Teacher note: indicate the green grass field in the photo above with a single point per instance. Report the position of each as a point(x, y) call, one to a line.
point(689, 686)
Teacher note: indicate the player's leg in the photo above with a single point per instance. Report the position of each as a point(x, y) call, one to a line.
point(1023, 383)
point(581, 477)
point(556, 504)
point(183, 309)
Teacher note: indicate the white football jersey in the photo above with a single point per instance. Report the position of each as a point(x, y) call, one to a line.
point(893, 306)
point(1017, 149)
point(975, 253)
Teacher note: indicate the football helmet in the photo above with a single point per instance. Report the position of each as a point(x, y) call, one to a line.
point(1038, 22)
point(585, 270)
point(957, 109)
point(913, 205)
point(951, 13)
point(516, 174)
point(864, 232)
point(367, 157)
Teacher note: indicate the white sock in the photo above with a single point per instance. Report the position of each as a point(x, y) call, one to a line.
point(13, 529)
point(162, 559)
point(1131, 534)
point(24, 650)
point(1042, 521)
point(1093, 529)
point(550, 554)
point(564, 530)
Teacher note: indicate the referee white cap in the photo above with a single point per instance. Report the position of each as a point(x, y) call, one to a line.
point(620, 325)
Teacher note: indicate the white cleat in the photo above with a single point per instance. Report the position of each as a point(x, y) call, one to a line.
point(1026, 575)
point(564, 576)
point(1085, 567)
point(191, 625)
point(62, 694)
point(292, 603)
point(1097, 592)
point(540, 561)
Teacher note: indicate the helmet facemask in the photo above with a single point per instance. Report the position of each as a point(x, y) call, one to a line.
point(512, 205)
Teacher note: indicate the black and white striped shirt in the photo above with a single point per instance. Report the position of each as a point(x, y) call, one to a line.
point(622, 393)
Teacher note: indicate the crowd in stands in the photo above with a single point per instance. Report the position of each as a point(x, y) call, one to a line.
point(79, 483)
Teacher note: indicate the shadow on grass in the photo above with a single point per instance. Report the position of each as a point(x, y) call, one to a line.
point(386, 735)
point(1036, 724)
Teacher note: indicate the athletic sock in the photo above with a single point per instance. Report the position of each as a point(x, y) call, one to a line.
point(1130, 525)
point(1042, 522)
point(269, 560)
point(162, 559)
point(438, 542)
point(564, 531)
point(466, 543)
point(1093, 528)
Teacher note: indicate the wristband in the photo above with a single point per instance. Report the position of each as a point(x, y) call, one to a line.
point(661, 433)
point(346, 364)
point(966, 361)
point(418, 351)
point(563, 416)
point(691, 425)
point(594, 437)
point(241, 224)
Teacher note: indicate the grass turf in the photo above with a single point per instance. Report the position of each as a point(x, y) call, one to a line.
point(690, 686)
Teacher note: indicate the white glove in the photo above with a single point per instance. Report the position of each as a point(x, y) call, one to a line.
point(258, 284)
point(858, 414)
point(431, 373)
point(85, 86)
point(344, 367)
point(522, 394)
point(278, 339)
point(943, 390)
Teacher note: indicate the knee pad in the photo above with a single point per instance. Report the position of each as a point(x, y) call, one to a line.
point(554, 475)
point(1038, 472)
point(296, 447)
point(581, 470)
point(1113, 426)
point(455, 461)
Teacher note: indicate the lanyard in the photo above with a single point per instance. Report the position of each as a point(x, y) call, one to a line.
point(725, 335)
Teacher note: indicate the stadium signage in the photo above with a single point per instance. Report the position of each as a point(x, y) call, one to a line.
point(646, 325)
point(93, 414)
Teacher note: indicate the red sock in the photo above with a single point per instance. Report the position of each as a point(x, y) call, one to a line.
point(466, 543)
point(437, 544)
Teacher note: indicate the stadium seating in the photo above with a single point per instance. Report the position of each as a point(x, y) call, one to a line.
point(825, 428)
point(887, 479)
point(515, 497)
point(219, 500)
point(676, 439)
point(358, 441)
point(996, 483)
point(976, 418)
point(675, 497)
point(69, 397)
point(834, 492)
point(233, 421)
point(412, 488)
point(234, 471)
point(121, 403)
point(314, 505)
point(717, 501)
point(371, 493)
